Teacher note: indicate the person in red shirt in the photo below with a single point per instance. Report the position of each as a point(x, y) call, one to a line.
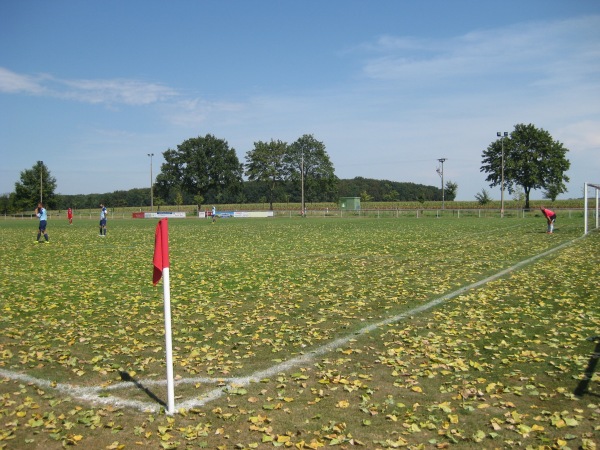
point(70, 216)
point(550, 218)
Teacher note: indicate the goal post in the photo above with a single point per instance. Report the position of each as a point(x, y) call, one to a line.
point(596, 190)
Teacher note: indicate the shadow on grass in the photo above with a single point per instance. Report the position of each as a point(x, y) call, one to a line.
point(126, 377)
point(583, 386)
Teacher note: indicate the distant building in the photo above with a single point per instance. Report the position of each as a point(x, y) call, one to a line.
point(349, 203)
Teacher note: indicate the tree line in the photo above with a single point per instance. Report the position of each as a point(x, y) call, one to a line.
point(205, 170)
point(253, 191)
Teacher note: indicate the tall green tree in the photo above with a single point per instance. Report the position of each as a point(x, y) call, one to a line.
point(450, 190)
point(265, 163)
point(532, 160)
point(203, 166)
point(35, 184)
point(308, 157)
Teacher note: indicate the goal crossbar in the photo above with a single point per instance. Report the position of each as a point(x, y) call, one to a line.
point(596, 187)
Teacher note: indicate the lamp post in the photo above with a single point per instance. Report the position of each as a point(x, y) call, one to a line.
point(41, 164)
point(151, 184)
point(502, 136)
point(302, 181)
point(441, 174)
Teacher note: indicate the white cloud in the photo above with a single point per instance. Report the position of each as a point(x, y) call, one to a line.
point(547, 51)
point(110, 92)
point(14, 83)
point(116, 91)
point(194, 112)
point(582, 138)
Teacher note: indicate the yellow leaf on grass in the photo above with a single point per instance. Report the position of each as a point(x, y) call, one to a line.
point(445, 406)
point(115, 446)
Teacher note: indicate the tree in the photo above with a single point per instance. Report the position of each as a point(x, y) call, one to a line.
point(6, 203)
point(178, 199)
point(309, 156)
point(266, 164)
point(532, 160)
point(450, 190)
point(518, 195)
point(365, 197)
point(483, 197)
point(391, 196)
point(253, 191)
point(200, 166)
point(138, 197)
point(199, 200)
point(551, 192)
point(36, 184)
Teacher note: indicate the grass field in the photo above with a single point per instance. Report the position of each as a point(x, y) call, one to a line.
point(302, 333)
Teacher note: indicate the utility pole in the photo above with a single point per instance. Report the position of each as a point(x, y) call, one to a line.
point(302, 181)
point(41, 164)
point(440, 172)
point(502, 136)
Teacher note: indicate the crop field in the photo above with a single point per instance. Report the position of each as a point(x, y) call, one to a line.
point(302, 333)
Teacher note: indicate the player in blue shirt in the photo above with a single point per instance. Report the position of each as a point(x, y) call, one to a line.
point(103, 214)
point(40, 212)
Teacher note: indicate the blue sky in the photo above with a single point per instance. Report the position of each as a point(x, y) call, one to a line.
point(92, 87)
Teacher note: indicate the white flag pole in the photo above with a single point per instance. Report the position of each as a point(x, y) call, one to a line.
point(168, 342)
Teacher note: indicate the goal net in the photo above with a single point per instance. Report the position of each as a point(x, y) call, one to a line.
point(590, 215)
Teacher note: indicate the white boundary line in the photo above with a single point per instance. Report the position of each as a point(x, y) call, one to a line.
point(94, 394)
point(88, 394)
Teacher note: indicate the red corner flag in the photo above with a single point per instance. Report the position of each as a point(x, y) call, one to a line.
point(161, 269)
point(161, 249)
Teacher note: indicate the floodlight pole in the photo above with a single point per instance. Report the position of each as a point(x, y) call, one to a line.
point(441, 172)
point(151, 184)
point(585, 208)
point(41, 164)
point(502, 136)
point(302, 181)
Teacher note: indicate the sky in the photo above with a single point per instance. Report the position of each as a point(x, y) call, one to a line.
point(389, 86)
